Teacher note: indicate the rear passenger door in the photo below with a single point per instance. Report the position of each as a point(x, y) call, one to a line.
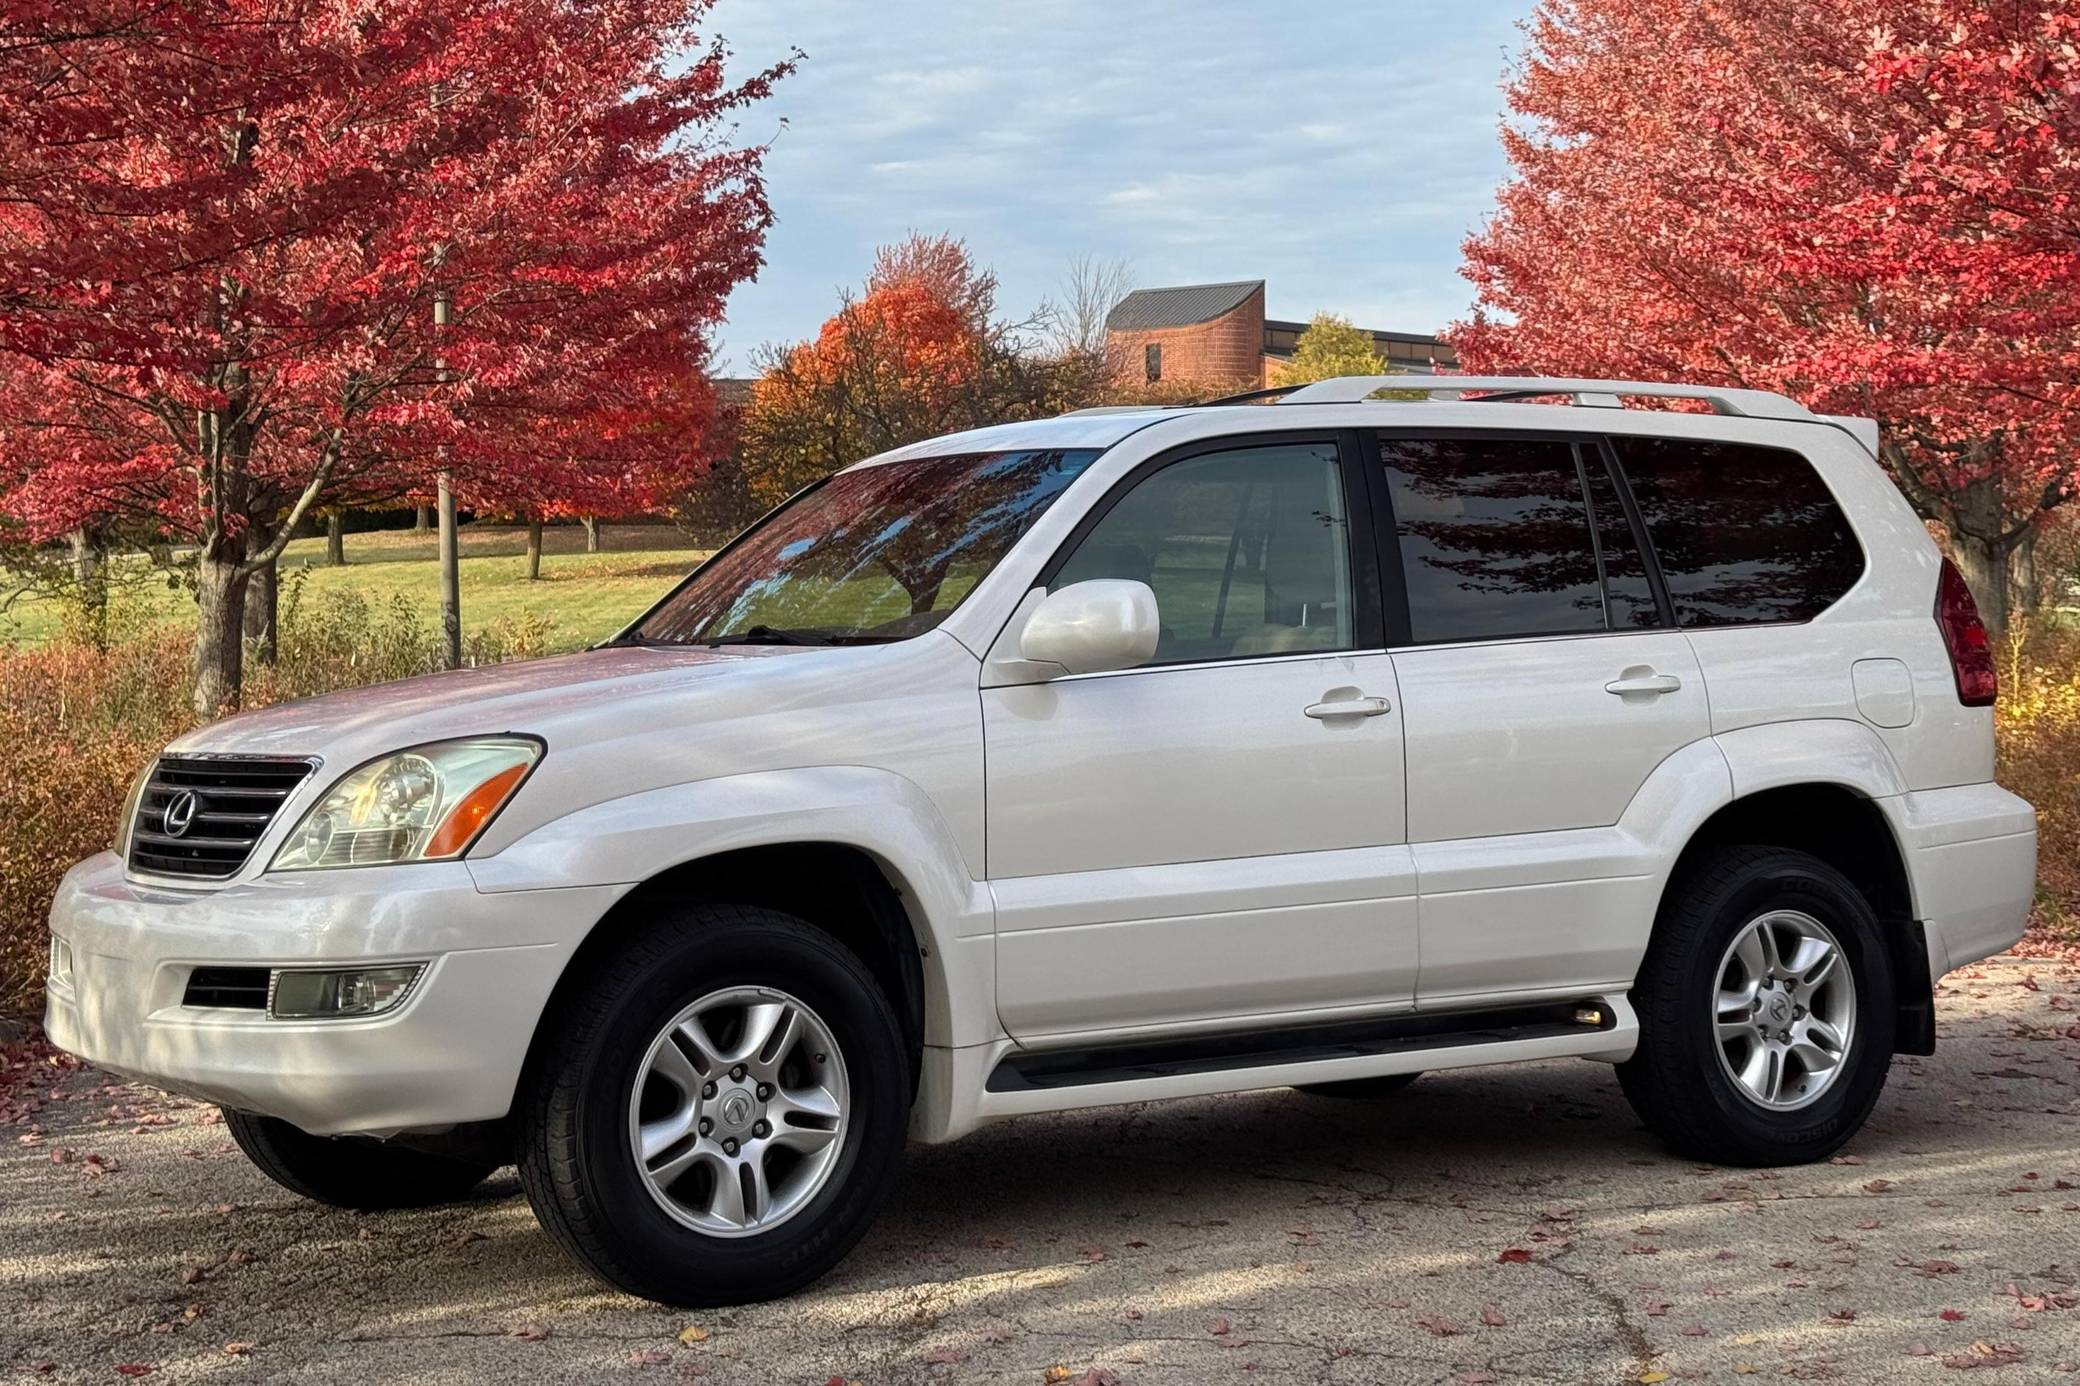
point(1541, 684)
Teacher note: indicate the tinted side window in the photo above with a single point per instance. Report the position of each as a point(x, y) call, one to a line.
point(1745, 534)
point(1625, 581)
point(1494, 538)
point(1248, 552)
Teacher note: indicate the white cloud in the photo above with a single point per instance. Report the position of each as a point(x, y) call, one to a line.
point(1337, 153)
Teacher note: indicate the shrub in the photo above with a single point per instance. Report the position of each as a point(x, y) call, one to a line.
point(2039, 758)
point(77, 723)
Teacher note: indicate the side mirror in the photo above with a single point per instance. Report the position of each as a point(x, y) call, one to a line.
point(1091, 627)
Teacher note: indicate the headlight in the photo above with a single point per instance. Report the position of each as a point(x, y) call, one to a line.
point(425, 804)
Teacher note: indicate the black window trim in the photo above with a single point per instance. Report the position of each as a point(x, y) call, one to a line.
point(1368, 632)
point(1401, 628)
point(1656, 583)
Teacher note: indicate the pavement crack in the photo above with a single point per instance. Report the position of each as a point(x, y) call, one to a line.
point(1630, 1334)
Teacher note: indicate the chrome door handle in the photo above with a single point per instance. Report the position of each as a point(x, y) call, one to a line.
point(1350, 707)
point(1642, 681)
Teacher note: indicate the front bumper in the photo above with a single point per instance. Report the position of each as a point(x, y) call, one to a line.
point(452, 1052)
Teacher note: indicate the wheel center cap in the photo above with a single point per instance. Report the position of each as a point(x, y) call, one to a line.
point(735, 1110)
point(1779, 1007)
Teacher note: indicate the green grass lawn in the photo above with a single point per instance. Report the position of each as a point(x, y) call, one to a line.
point(587, 596)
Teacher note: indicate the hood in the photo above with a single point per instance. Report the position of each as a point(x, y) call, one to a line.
point(535, 696)
point(622, 721)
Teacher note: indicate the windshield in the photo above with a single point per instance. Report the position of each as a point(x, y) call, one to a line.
point(876, 554)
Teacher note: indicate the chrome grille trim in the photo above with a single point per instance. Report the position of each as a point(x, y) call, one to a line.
point(237, 799)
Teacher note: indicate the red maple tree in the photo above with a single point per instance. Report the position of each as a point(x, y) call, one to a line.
point(1868, 204)
point(258, 256)
point(919, 352)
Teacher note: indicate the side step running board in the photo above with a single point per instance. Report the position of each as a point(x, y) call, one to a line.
point(1053, 1069)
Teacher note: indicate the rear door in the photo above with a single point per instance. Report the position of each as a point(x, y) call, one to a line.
point(1541, 684)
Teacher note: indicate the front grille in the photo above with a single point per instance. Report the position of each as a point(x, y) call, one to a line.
point(234, 798)
point(239, 988)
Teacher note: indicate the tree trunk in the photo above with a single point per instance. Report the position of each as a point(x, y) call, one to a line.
point(220, 598)
point(89, 554)
point(534, 550)
point(335, 539)
point(421, 519)
point(263, 588)
point(451, 582)
point(1985, 570)
point(591, 523)
point(2027, 594)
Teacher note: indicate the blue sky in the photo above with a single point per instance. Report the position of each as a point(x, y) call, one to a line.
point(1338, 150)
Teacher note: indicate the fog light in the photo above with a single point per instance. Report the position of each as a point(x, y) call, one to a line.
point(328, 995)
point(61, 960)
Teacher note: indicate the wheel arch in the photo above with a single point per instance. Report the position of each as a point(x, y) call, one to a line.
point(860, 852)
point(838, 887)
point(1841, 825)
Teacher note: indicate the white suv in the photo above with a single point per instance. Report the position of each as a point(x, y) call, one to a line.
point(1120, 756)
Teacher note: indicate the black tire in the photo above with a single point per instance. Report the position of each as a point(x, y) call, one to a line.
point(575, 1159)
point(1385, 1085)
point(1675, 1080)
point(351, 1171)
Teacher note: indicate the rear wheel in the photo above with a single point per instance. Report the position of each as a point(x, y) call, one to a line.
point(720, 1110)
point(351, 1171)
point(1766, 1011)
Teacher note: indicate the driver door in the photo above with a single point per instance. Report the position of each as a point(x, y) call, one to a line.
point(1218, 836)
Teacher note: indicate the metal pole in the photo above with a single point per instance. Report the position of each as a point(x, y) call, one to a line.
point(451, 556)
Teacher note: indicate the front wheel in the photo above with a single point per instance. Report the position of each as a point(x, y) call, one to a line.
point(1766, 1011)
point(720, 1110)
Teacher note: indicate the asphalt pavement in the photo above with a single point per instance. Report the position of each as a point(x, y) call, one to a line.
point(1495, 1225)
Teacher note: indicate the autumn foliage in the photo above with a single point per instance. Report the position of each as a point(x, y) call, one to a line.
point(919, 352)
point(1868, 204)
point(260, 256)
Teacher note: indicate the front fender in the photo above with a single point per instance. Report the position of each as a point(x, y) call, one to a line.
point(629, 840)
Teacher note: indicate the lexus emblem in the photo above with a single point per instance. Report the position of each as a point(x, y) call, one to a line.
point(180, 813)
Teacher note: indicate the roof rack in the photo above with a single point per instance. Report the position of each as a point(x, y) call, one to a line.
point(1604, 394)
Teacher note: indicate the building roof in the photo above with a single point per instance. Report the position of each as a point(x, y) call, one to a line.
point(1148, 309)
point(1377, 334)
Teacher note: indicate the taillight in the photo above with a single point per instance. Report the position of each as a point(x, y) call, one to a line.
point(1964, 636)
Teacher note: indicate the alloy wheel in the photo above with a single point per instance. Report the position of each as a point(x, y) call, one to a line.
point(1785, 1010)
point(739, 1111)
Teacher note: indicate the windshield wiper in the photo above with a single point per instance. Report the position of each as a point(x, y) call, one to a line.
point(770, 635)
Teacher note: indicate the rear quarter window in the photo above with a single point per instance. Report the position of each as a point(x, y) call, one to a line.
point(1746, 535)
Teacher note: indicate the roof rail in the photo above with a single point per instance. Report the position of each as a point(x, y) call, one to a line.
point(1607, 394)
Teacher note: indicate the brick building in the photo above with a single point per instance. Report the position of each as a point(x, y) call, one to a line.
point(1217, 335)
